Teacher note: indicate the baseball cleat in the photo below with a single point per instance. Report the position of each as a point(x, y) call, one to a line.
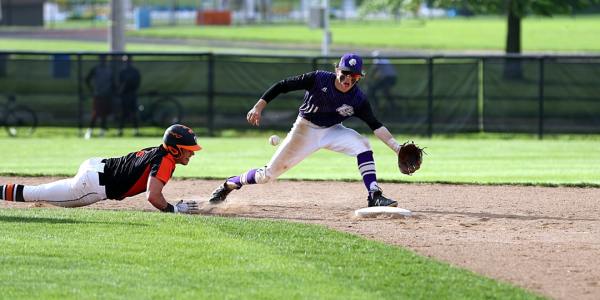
point(220, 194)
point(376, 198)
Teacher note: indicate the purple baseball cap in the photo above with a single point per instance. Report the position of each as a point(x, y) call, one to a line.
point(351, 62)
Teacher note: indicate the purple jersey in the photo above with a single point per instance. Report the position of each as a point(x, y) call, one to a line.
point(325, 106)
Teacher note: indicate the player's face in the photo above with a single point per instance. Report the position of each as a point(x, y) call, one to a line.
point(346, 79)
point(185, 157)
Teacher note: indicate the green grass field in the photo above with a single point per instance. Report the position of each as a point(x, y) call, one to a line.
point(528, 161)
point(82, 253)
point(483, 33)
point(557, 34)
point(88, 254)
point(8, 44)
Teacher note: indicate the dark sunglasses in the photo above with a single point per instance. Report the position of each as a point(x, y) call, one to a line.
point(353, 77)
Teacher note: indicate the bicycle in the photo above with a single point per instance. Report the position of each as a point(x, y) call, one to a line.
point(17, 119)
point(163, 110)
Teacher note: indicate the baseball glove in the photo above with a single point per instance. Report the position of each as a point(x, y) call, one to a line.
point(410, 158)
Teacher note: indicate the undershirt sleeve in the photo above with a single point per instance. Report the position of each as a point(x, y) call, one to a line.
point(365, 113)
point(295, 83)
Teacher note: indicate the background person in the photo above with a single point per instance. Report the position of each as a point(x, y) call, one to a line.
point(147, 170)
point(382, 78)
point(128, 85)
point(100, 81)
point(330, 99)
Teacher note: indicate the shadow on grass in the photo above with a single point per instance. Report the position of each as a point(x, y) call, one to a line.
point(13, 219)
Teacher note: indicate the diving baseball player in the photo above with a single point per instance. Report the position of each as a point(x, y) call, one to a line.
point(147, 170)
point(330, 99)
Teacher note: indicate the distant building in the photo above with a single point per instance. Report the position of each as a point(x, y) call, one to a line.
point(22, 12)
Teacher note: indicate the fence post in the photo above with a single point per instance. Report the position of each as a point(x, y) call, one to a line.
point(481, 94)
point(541, 99)
point(211, 94)
point(80, 92)
point(430, 97)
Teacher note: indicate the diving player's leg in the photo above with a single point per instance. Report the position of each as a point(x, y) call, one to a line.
point(81, 190)
point(345, 140)
point(300, 142)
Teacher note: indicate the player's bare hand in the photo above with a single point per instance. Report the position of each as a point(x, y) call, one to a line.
point(255, 113)
point(253, 117)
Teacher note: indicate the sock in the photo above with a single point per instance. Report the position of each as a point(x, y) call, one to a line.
point(245, 178)
point(366, 166)
point(12, 192)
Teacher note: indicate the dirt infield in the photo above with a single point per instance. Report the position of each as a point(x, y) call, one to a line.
point(543, 239)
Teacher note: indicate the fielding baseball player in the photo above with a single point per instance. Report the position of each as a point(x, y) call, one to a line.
point(330, 99)
point(147, 170)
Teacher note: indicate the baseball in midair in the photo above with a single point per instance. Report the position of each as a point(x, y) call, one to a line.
point(274, 140)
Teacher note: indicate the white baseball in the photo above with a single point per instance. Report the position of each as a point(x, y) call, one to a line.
point(274, 140)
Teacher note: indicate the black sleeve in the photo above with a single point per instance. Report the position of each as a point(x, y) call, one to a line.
point(365, 113)
point(300, 82)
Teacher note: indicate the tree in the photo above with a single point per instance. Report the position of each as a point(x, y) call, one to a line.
point(515, 11)
point(394, 7)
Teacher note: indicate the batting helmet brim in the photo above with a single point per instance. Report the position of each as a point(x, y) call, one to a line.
point(191, 148)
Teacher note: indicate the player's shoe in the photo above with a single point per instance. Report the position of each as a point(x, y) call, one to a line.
point(220, 194)
point(376, 198)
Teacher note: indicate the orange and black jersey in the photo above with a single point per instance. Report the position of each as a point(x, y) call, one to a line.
point(128, 175)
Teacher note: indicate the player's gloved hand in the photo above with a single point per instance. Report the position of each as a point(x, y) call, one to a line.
point(186, 207)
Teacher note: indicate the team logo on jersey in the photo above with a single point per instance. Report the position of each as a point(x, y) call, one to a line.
point(345, 110)
point(324, 90)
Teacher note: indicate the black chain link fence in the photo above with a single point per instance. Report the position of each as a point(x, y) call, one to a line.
point(411, 95)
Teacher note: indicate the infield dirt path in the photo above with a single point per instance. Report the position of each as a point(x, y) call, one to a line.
point(543, 239)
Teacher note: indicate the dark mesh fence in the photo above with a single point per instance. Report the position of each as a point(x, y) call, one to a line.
point(427, 95)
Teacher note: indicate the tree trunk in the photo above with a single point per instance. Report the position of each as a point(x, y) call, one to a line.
point(513, 68)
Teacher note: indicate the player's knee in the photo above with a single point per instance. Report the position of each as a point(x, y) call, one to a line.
point(365, 143)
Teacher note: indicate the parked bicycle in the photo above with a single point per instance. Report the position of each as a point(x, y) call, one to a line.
point(17, 119)
point(163, 110)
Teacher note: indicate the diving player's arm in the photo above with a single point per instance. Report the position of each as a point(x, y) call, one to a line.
point(365, 113)
point(155, 196)
point(300, 82)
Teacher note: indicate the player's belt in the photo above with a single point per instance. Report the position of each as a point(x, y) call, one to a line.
point(101, 175)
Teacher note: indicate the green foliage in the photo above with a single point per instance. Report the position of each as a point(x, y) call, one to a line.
point(395, 7)
point(521, 8)
point(89, 254)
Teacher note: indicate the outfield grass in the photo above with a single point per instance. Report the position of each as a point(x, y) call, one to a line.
point(560, 34)
point(482, 33)
point(88, 254)
point(492, 160)
point(8, 44)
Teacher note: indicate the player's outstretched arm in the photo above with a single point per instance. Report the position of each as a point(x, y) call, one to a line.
point(386, 137)
point(155, 197)
point(255, 113)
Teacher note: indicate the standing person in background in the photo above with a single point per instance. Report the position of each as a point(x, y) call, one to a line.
point(330, 99)
point(100, 81)
point(147, 170)
point(382, 78)
point(128, 85)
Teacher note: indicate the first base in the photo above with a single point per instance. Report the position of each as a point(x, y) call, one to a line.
point(381, 210)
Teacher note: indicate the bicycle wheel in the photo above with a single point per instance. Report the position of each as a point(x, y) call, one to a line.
point(20, 121)
point(166, 112)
